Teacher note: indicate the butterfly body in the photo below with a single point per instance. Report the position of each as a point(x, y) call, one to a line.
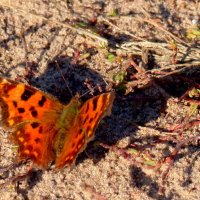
point(66, 119)
point(46, 130)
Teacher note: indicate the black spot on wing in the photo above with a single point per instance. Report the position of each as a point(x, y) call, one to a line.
point(35, 125)
point(95, 103)
point(42, 101)
point(34, 113)
point(85, 120)
point(40, 129)
point(21, 110)
point(80, 131)
point(27, 94)
point(91, 120)
point(37, 140)
point(32, 108)
point(95, 116)
point(15, 104)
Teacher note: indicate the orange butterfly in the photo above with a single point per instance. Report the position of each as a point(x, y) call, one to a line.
point(46, 130)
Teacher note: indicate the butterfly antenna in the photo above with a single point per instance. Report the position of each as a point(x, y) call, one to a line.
point(97, 86)
point(108, 86)
point(66, 83)
point(27, 69)
point(88, 91)
point(105, 81)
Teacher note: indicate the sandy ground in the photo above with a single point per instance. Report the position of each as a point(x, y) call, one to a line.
point(41, 33)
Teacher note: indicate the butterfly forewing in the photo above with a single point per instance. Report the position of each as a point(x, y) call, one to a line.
point(93, 111)
point(84, 126)
point(21, 103)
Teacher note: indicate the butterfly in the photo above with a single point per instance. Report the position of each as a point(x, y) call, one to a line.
point(46, 130)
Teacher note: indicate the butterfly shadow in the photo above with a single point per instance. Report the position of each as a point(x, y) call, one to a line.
point(32, 177)
point(62, 75)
